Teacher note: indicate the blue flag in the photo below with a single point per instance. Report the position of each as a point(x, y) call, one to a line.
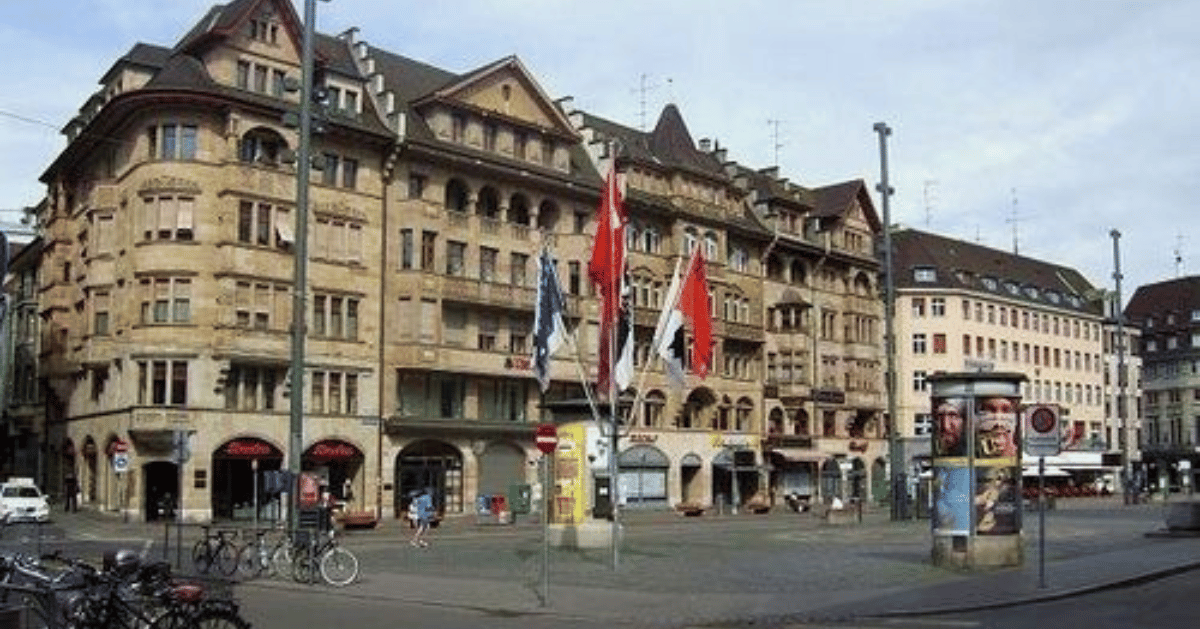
point(549, 331)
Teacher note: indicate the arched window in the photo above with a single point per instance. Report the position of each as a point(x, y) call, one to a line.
point(651, 239)
point(457, 196)
point(261, 145)
point(690, 240)
point(710, 247)
point(488, 205)
point(518, 209)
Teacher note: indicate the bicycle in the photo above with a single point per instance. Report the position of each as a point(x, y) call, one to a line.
point(219, 549)
point(257, 557)
point(324, 555)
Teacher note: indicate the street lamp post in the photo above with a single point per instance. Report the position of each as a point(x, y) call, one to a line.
point(300, 268)
point(895, 447)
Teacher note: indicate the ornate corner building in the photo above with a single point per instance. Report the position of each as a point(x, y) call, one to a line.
point(165, 270)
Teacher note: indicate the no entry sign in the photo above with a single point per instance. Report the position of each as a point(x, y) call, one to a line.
point(546, 438)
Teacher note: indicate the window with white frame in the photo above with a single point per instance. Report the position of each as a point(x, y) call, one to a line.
point(168, 217)
point(100, 313)
point(261, 305)
point(519, 269)
point(739, 258)
point(165, 300)
point(340, 171)
point(162, 382)
point(337, 240)
point(925, 274)
point(711, 246)
point(334, 392)
point(335, 316)
point(919, 343)
point(252, 387)
point(172, 141)
point(265, 224)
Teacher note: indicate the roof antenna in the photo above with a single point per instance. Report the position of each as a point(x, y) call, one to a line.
point(641, 90)
point(1179, 266)
point(930, 194)
point(1016, 221)
point(776, 144)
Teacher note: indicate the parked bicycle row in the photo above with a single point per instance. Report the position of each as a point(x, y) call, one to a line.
point(124, 592)
point(307, 555)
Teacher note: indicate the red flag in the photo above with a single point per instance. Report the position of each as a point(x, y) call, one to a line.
point(694, 304)
point(606, 270)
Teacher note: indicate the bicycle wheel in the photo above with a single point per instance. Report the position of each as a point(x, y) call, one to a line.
point(202, 556)
point(227, 559)
point(172, 619)
point(303, 566)
point(251, 562)
point(219, 619)
point(339, 566)
point(281, 560)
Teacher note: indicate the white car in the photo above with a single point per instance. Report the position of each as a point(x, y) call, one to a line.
point(21, 501)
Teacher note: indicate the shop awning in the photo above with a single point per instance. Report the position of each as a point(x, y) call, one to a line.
point(1051, 471)
point(800, 455)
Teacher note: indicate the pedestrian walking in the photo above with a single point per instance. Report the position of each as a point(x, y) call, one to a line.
point(422, 506)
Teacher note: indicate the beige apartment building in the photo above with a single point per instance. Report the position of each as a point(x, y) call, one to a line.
point(165, 288)
point(961, 306)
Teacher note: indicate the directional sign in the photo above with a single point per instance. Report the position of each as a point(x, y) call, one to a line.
point(547, 438)
point(1043, 436)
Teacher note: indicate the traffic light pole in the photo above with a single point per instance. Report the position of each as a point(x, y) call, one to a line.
point(897, 463)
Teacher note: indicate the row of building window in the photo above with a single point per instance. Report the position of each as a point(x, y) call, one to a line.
point(1030, 354)
point(1014, 317)
point(1037, 390)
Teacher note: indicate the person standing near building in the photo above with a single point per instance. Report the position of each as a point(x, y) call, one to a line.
point(71, 493)
point(423, 506)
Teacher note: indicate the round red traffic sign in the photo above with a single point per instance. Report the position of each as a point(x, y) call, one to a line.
point(546, 438)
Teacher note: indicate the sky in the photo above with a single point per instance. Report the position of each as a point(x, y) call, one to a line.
point(1022, 124)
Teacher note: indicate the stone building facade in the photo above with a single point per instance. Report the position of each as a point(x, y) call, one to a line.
point(166, 271)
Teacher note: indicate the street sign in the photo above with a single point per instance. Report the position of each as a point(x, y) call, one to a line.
point(120, 462)
point(546, 438)
point(1043, 437)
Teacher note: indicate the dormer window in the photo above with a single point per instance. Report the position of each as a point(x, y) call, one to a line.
point(989, 283)
point(264, 29)
point(1031, 292)
point(925, 274)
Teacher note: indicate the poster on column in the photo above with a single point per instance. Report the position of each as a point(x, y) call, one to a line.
point(997, 501)
point(952, 508)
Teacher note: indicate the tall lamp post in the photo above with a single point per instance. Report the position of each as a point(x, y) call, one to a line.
point(1122, 415)
point(895, 448)
point(300, 268)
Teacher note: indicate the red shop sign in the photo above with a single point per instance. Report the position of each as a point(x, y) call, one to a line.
point(250, 449)
point(332, 450)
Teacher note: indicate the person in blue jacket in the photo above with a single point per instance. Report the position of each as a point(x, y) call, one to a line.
point(423, 506)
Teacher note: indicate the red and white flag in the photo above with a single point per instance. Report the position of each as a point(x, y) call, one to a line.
point(687, 299)
point(606, 270)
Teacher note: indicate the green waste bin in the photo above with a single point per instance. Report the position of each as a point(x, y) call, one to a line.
point(520, 497)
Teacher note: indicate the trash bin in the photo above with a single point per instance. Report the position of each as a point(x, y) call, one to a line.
point(520, 497)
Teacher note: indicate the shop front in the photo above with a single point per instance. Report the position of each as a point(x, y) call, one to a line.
point(238, 469)
point(434, 464)
point(338, 464)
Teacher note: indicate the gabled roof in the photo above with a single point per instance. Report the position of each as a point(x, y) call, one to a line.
point(835, 200)
point(668, 147)
point(145, 56)
point(223, 20)
point(462, 83)
point(959, 265)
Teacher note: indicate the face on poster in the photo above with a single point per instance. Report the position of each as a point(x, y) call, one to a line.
point(949, 426)
point(996, 428)
point(952, 508)
point(997, 501)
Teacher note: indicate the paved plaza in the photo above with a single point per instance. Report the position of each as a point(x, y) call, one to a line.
point(678, 571)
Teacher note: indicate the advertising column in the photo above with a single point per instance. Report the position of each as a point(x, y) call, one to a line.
point(976, 520)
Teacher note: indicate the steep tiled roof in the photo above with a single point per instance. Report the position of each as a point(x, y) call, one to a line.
point(956, 264)
point(1180, 296)
point(668, 146)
